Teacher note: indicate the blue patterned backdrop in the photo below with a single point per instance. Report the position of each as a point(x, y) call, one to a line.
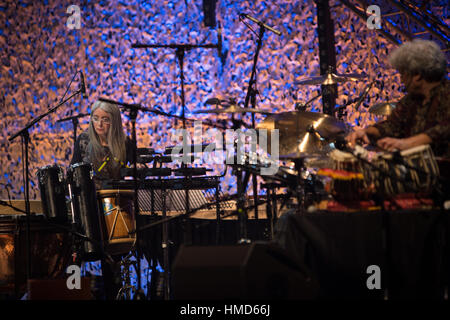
point(40, 55)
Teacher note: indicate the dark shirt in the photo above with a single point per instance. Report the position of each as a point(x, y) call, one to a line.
point(103, 169)
point(411, 117)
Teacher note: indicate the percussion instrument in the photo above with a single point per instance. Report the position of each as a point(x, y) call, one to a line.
point(382, 109)
point(119, 223)
point(53, 192)
point(347, 180)
point(415, 172)
point(302, 133)
point(85, 213)
point(330, 78)
point(49, 250)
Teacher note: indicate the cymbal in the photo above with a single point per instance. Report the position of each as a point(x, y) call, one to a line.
point(295, 123)
point(330, 78)
point(233, 109)
point(301, 132)
point(382, 109)
point(313, 157)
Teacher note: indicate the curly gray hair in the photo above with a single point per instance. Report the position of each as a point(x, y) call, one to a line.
point(420, 57)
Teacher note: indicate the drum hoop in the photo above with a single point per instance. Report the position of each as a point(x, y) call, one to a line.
point(341, 156)
point(409, 152)
point(79, 164)
point(112, 192)
point(50, 166)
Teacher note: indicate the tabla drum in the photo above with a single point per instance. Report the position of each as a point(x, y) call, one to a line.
point(347, 179)
point(119, 223)
point(416, 171)
point(85, 213)
point(52, 186)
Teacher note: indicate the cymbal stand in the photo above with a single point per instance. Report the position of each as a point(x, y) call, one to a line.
point(300, 187)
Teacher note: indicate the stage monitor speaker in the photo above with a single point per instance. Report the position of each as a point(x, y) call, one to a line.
point(257, 270)
point(56, 289)
point(209, 13)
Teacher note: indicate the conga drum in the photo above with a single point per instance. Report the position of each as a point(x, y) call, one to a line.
point(52, 186)
point(85, 212)
point(119, 223)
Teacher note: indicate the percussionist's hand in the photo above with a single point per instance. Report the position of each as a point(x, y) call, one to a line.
point(357, 135)
point(393, 144)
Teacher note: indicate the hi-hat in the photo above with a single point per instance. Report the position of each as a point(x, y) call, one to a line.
point(233, 109)
point(330, 78)
point(302, 132)
point(382, 109)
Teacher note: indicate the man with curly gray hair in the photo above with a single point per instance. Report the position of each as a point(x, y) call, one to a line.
point(423, 115)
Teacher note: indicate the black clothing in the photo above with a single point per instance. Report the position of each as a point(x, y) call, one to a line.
point(105, 168)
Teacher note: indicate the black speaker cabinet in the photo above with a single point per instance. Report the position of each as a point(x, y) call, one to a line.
point(257, 270)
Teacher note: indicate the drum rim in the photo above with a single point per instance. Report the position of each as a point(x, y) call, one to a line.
point(79, 164)
point(408, 152)
point(105, 192)
point(49, 166)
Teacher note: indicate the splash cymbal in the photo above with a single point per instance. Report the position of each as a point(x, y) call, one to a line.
point(330, 78)
point(382, 109)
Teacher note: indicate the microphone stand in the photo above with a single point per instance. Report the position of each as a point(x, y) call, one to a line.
point(180, 53)
point(74, 123)
point(251, 96)
point(24, 133)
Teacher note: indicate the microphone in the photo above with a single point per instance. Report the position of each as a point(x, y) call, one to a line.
point(83, 86)
point(364, 95)
point(260, 23)
point(219, 40)
point(220, 48)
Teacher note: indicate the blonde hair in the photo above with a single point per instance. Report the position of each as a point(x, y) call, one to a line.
point(116, 136)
